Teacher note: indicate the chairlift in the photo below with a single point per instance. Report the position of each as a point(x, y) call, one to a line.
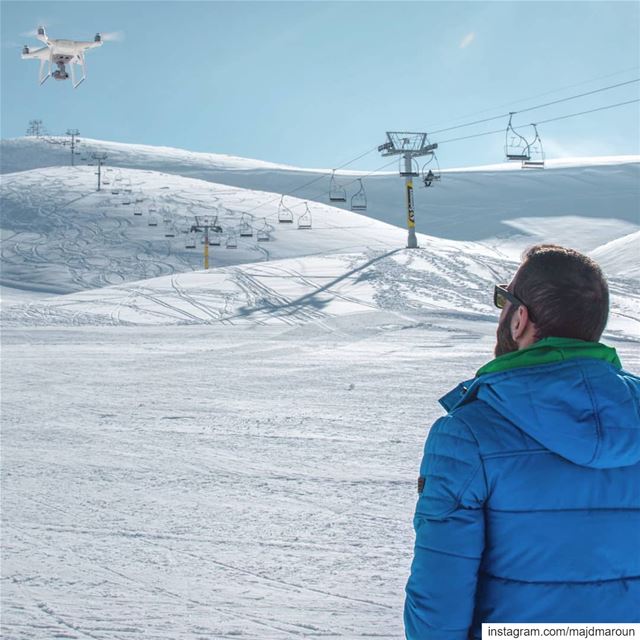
point(516, 146)
point(431, 171)
point(115, 191)
point(359, 198)
point(153, 221)
point(336, 192)
point(285, 214)
point(128, 187)
point(246, 228)
point(137, 211)
point(264, 234)
point(536, 152)
point(105, 180)
point(126, 200)
point(170, 233)
point(153, 208)
point(191, 241)
point(139, 196)
point(232, 242)
point(304, 221)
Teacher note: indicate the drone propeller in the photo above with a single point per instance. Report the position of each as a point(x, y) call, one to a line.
point(112, 36)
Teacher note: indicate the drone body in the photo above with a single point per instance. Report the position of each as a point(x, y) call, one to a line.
point(60, 53)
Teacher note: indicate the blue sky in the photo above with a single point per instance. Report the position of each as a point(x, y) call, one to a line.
point(317, 83)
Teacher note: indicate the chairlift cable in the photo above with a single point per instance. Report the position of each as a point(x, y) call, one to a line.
point(570, 115)
point(539, 106)
point(546, 93)
point(320, 177)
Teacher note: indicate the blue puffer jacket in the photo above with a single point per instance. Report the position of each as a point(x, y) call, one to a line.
point(530, 506)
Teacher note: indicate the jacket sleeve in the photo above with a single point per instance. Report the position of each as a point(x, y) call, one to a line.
point(449, 526)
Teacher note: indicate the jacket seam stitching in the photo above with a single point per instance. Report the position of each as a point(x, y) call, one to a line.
point(480, 465)
point(595, 415)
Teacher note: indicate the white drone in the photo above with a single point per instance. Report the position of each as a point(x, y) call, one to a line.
point(61, 53)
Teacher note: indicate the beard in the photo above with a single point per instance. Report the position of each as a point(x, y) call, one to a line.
point(504, 342)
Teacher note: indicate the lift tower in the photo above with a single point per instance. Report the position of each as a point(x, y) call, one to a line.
point(409, 145)
point(99, 158)
point(74, 133)
point(204, 224)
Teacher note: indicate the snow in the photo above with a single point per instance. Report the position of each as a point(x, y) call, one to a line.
point(620, 256)
point(233, 452)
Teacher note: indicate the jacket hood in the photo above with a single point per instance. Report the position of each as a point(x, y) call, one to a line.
point(585, 409)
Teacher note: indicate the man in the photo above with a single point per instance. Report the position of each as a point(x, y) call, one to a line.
point(529, 507)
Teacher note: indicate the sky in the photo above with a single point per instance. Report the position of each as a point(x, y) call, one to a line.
point(316, 84)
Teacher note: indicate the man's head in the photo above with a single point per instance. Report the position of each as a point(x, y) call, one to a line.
point(556, 292)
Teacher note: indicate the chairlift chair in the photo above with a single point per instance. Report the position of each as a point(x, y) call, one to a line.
point(169, 233)
point(359, 198)
point(264, 234)
point(336, 192)
point(246, 230)
point(137, 211)
point(191, 242)
point(126, 200)
point(536, 152)
point(232, 242)
point(153, 221)
point(431, 171)
point(516, 146)
point(285, 215)
point(115, 191)
point(139, 197)
point(215, 239)
point(304, 221)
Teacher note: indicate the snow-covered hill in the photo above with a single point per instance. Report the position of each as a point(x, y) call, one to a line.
point(468, 204)
point(60, 235)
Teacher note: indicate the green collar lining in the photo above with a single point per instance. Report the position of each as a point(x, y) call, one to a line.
point(550, 350)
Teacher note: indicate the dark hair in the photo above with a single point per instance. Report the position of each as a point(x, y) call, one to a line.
point(565, 291)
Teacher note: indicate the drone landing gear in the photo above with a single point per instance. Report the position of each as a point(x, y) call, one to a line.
point(45, 72)
point(84, 73)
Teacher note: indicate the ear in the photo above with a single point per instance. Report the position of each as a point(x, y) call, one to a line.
point(520, 322)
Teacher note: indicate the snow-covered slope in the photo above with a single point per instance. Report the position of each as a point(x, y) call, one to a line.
point(620, 257)
point(60, 235)
point(468, 204)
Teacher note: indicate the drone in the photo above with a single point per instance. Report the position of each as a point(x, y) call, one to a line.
point(60, 53)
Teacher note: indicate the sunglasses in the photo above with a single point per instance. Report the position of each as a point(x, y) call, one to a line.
point(501, 295)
